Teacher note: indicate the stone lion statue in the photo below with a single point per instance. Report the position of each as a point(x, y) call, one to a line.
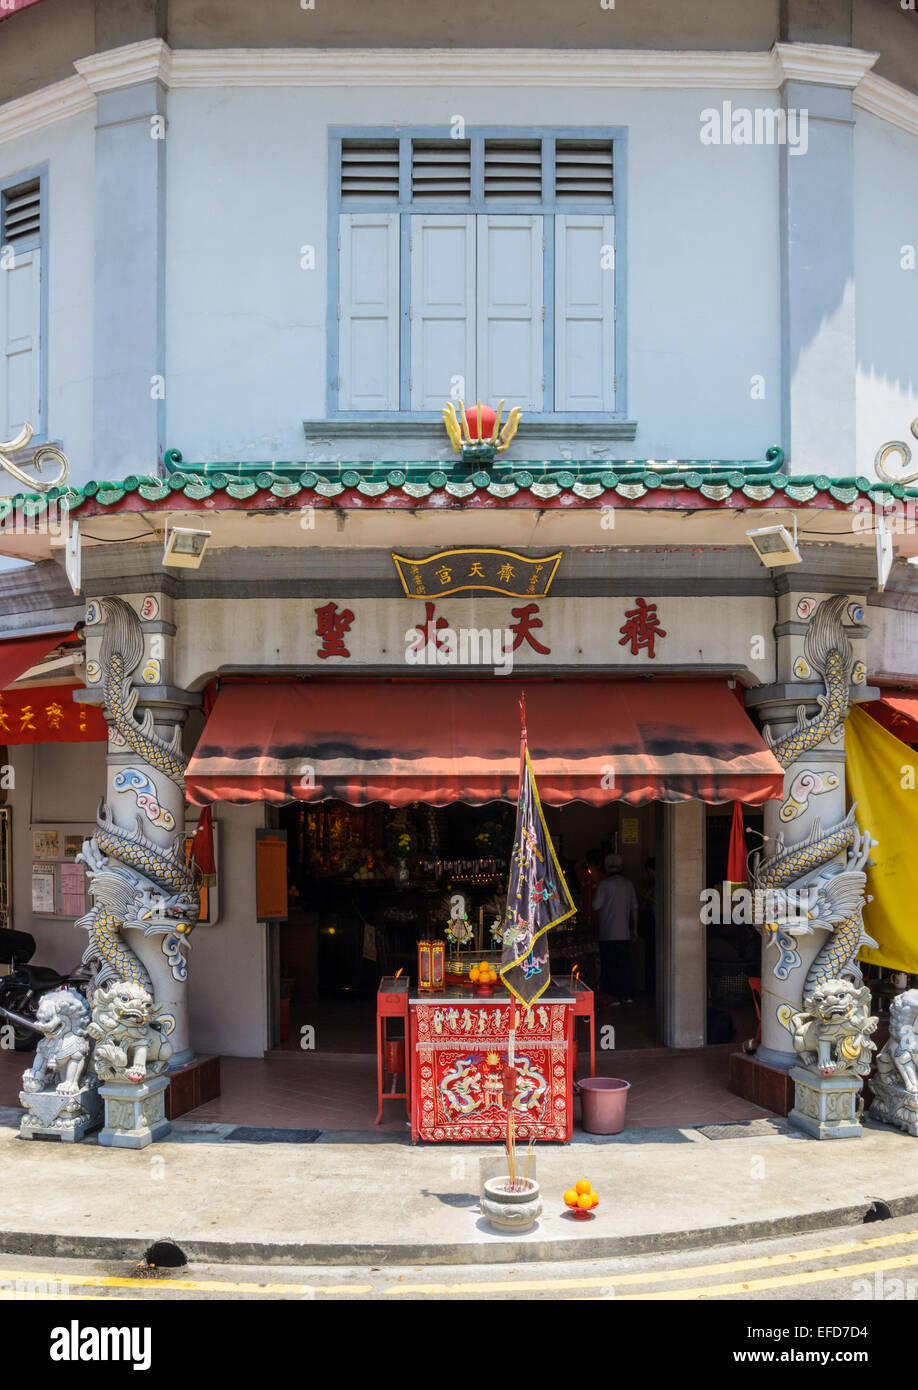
point(832, 1031)
point(129, 1032)
point(895, 1086)
point(63, 1017)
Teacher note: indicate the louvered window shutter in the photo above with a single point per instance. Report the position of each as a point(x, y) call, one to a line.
point(441, 170)
point(368, 338)
point(513, 170)
point(584, 172)
point(20, 330)
point(584, 312)
point(369, 171)
point(442, 309)
point(510, 321)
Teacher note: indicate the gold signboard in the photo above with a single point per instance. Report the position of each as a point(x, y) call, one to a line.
point(492, 571)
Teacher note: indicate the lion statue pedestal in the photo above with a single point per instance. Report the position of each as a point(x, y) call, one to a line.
point(832, 1040)
point(131, 1054)
point(895, 1086)
point(59, 1100)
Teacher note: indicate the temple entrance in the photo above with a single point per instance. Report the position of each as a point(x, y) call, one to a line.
point(366, 883)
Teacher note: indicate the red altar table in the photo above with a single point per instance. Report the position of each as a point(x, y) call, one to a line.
point(459, 1042)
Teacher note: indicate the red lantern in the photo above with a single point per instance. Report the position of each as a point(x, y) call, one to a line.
point(424, 962)
point(488, 417)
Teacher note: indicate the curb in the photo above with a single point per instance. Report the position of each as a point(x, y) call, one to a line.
point(89, 1247)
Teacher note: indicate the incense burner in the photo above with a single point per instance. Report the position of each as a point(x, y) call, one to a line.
point(511, 1208)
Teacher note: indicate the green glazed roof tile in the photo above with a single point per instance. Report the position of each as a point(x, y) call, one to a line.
point(716, 480)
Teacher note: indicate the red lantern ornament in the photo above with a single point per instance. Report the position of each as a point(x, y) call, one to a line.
point(481, 434)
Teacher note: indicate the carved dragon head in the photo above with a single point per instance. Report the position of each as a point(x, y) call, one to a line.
point(154, 911)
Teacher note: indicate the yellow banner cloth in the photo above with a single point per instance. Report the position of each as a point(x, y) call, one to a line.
point(882, 780)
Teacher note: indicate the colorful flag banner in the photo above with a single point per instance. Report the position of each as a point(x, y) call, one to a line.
point(538, 897)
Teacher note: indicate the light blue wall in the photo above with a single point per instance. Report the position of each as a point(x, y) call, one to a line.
point(817, 283)
point(245, 326)
point(128, 346)
point(66, 150)
point(886, 220)
point(244, 190)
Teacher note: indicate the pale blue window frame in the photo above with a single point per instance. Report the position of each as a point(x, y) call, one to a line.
point(38, 239)
point(547, 205)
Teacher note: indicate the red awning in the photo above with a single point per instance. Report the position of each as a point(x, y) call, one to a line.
point(897, 712)
point(442, 741)
point(17, 654)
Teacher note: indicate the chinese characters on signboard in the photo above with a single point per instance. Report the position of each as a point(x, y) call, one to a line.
point(479, 571)
point(641, 630)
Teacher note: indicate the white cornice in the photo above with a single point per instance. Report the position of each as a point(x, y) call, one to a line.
point(823, 63)
point(889, 102)
point(127, 66)
point(43, 108)
point(469, 67)
point(309, 67)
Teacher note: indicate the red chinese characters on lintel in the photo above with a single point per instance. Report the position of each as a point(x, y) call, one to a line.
point(331, 627)
point(641, 629)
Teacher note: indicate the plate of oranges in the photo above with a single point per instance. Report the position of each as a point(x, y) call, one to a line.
point(483, 976)
point(581, 1200)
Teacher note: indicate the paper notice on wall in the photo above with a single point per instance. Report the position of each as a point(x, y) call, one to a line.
point(73, 890)
point(43, 888)
point(630, 835)
point(46, 844)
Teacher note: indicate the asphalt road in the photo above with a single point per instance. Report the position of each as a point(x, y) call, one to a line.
point(876, 1262)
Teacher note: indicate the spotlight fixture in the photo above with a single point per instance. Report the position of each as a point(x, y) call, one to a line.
point(775, 545)
point(184, 546)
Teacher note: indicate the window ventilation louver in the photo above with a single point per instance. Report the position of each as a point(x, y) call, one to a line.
point(21, 213)
point(583, 171)
point(441, 169)
point(369, 171)
point(513, 169)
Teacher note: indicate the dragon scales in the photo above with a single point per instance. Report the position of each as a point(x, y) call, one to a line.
point(811, 884)
point(138, 880)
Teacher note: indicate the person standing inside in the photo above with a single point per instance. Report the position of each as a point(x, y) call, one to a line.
point(615, 903)
point(589, 875)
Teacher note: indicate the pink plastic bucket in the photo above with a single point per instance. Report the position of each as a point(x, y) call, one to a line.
point(602, 1104)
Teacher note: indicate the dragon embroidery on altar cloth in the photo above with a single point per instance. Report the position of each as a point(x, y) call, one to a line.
point(133, 881)
point(809, 886)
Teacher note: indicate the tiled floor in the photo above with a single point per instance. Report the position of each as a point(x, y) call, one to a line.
point(337, 1091)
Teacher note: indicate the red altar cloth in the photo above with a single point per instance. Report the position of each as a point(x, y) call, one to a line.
point(459, 1046)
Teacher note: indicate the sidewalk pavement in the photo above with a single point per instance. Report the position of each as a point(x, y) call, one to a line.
point(243, 1196)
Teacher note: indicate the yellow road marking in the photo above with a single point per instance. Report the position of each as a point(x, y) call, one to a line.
point(100, 1281)
point(510, 1285)
point(664, 1275)
point(9, 1296)
point(817, 1276)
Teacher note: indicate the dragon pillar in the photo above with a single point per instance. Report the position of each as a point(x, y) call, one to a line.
point(809, 877)
point(144, 899)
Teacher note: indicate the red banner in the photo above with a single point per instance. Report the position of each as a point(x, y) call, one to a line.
point(48, 714)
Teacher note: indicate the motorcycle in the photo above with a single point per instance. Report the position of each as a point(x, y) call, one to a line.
point(21, 990)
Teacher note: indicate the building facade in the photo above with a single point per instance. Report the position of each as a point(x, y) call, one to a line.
point(244, 268)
